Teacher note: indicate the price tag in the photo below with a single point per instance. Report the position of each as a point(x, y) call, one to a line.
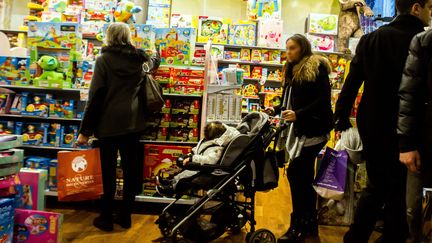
point(84, 93)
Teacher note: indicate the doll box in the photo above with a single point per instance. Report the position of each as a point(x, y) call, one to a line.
point(33, 182)
point(37, 226)
point(7, 219)
point(54, 35)
point(242, 33)
point(326, 24)
point(162, 159)
point(176, 45)
point(213, 28)
point(270, 33)
point(14, 70)
point(10, 141)
point(11, 156)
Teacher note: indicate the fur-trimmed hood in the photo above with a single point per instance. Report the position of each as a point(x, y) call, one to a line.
point(307, 69)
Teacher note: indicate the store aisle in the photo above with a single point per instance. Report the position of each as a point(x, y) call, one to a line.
point(273, 209)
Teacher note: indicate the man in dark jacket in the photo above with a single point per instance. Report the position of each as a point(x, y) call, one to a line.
point(415, 126)
point(379, 62)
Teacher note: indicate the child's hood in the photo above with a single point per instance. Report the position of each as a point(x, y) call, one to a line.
point(227, 137)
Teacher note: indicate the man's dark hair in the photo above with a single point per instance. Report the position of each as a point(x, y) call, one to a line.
point(404, 6)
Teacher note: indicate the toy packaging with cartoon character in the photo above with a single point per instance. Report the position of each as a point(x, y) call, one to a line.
point(37, 226)
point(62, 108)
point(6, 98)
point(176, 45)
point(264, 9)
point(7, 128)
point(7, 211)
point(270, 33)
point(213, 28)
point(35, 104)
point(54, 35)
point(14, 71)
point(184, 21)
point(323, 43)
point(242, 33)
point(33, 184)
point(33, 133)
point(69, 133)
point(325, 24)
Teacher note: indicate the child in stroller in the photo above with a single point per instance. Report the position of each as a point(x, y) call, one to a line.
point(216, 137)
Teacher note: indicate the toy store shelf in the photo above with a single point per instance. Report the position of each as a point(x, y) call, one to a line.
point(50, 148)
point(218, 88)
point(200, 68)
point(183, 95)
point(223, 61)
point(169, 142)
point(259, 80)
point(14, 31)
point(41, 118)
point(234, 123)
point(243, 47)
point(332, 53)
point(150, 199)
point(40, 89)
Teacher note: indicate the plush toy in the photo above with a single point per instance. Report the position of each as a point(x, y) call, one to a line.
point(125, 12)
point(349, 21)
point(49, 64)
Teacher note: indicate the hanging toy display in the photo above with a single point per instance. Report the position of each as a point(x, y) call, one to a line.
point(125, 12)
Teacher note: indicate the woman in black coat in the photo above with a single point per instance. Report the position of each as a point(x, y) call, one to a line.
point(115, 115)
point(306, 75)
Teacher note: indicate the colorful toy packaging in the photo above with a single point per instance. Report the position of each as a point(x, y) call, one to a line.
point(35, 105)
point(52, 134)
point(35, 162)
point(7, 128)
point(218, 52)
point(270, 33)
point(14, 71)
point(37, 226)
point(54, 35)
point(7, 212)
point(326, 24)
point(33, 133)
point(324, 43)
point(69, 133)
point(6, 98)
point(184, 21)
point(159, 13)
point(176, 45)
point(245, 55)
point(160, 160)
point(264, 9)
point(62, 108)
point(33, 183)
point(213, 28)
point(52, 175)
point(143, 36)
point(243, 33)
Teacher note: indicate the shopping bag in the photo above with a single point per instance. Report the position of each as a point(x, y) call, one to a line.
point(330, 180)
point(79, 175)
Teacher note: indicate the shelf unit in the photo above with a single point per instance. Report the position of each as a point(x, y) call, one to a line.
point(50, 148)
point(40, 118)
point(244, 47)
point(264, 64)
point(182, 95)
point(41, 89)
point(170, 142)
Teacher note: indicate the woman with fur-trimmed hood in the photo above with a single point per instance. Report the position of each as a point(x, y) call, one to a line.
point(307, 77)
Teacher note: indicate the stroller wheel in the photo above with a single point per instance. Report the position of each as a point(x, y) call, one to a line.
point(261, 236)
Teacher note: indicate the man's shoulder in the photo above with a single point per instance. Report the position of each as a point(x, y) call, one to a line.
point(425, 38)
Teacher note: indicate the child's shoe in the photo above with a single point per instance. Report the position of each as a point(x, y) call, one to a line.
point(167, 190)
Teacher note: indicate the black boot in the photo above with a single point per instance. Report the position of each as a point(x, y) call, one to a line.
point(301, 227)
point(124, 220)
point(104, 223)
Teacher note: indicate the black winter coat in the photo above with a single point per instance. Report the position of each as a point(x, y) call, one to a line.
point(311, 96)
point(114, 107)
point(415, 111)
point(379, 61)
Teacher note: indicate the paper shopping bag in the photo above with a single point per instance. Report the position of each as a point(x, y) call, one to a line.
point(79, 175)
point(330, 180)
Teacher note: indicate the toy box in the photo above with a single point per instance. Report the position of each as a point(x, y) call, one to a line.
point(324, 43)
point(52, 175)
point(35, 162)
point(52, 134)
point(14, 71)
point(7, 212)
point(270, 33)
point(16, 105)
point(264, 9)
point(256, 56)
point(232, 55)
point(62, 108)
point(51, 17)
point(7, 128)
point(37, 226)
point(213, 28)
point(199, 56)
point(54, 35)
point(101, 5)
point(33, 182)
point(184, 21)
point(6, 98)
point(69, 133)
point(161, 159)
point(32, 133)
point(245, 55)
point(159, 13)
point(247, 71)
point(184, 134)
point(243, 33)
point(143, 36)
point(92, 28)
point(176, 45)
point(35, 104)
point(326, 24)
point(11, 156)
point(217, 52)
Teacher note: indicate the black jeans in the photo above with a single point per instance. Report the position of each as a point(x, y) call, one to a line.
point(301, 172)
point(385, 188)
point(131, 159)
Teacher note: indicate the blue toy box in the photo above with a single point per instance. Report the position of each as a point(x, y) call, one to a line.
point(14, 71)
point(62, 108)
point(35, 104)
point(33, 133)
point(7, 212)
point(69, 133)
point(52, 175)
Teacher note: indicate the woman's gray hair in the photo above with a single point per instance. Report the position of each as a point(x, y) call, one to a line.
point(118, 34)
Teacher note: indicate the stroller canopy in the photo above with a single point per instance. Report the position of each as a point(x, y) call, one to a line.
point(252, 123)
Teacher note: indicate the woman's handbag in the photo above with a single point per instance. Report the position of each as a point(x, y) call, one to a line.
point(152, 90)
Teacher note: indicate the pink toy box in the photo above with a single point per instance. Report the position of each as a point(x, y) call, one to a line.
point(32, 189)
point(37, 226)
point(270, 33)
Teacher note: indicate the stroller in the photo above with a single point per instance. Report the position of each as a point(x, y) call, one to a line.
point(246, 167)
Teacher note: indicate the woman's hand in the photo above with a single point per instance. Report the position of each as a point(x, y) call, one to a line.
point(82, 140)
point(186, 161)
point(289, 116)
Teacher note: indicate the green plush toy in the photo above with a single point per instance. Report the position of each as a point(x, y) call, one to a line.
point(49, 64)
